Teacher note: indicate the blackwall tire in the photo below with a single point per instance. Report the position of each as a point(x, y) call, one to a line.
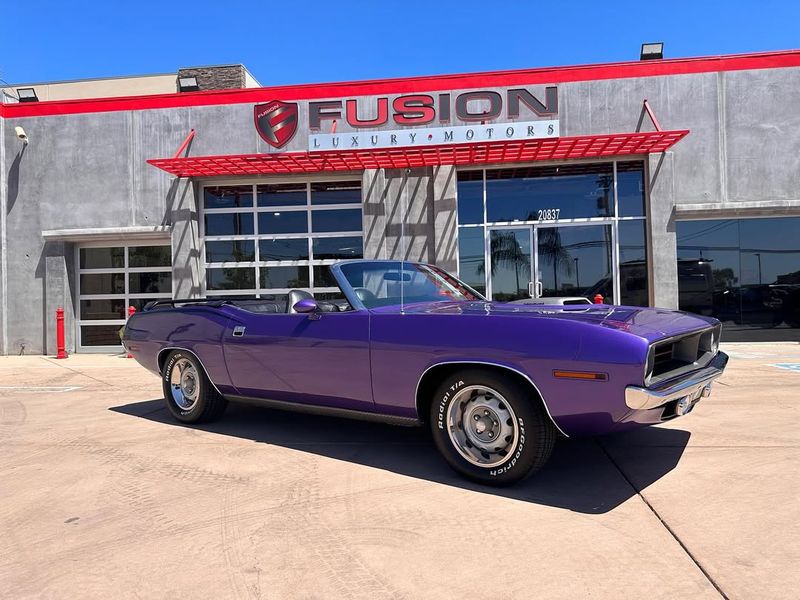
point(190, 396)
point(490, 428)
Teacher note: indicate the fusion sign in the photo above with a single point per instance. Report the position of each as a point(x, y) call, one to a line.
point(495, 115)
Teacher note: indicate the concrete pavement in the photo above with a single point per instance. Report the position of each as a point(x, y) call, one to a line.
point(103, 495)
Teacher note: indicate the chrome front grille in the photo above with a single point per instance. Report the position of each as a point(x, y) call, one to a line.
point(682, 354)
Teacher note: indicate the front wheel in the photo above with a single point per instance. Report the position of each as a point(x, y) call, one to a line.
point(490, 428)
point(189, 394)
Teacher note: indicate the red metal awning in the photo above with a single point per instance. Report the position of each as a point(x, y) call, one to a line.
point(479, 153)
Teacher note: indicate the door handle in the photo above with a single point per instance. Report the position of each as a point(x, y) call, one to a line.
point(539, 289)
point(530, 289)
point(238, 331)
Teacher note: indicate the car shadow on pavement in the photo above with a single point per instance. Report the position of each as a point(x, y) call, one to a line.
point(582, 476)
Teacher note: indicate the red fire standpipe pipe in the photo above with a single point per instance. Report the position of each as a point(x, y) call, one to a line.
point(60, 343)
point(131, 312)
point(598, 299)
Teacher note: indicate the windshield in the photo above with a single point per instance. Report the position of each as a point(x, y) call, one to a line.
point(387, 283)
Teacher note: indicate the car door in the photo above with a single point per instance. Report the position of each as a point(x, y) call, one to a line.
point(320, 359)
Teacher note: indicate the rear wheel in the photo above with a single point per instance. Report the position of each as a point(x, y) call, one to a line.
point(190, 396)
point(490, 428)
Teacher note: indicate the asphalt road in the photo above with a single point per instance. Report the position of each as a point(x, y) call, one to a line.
point(103, 496)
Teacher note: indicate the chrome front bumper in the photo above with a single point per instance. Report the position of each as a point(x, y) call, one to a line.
point(696, 385)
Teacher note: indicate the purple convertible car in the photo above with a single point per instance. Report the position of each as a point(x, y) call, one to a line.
point(409, 344)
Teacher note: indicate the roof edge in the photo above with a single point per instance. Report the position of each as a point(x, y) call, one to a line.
point(430, 83)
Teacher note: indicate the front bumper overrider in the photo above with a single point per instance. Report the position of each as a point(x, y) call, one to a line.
point(694, 386)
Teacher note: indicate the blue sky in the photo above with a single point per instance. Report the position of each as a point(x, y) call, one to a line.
point(308, 41)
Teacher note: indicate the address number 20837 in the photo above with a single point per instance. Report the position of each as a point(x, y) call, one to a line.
point(549, 214)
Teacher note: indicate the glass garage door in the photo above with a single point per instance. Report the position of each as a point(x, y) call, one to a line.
point(262, 240)
point(112, 278)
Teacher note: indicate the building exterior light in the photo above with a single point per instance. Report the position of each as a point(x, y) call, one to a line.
point(652, 51)
point(27, 95)
point(188, 84)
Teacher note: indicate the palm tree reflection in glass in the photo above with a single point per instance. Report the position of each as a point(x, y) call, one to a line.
point(507, 253)
point(553, 252)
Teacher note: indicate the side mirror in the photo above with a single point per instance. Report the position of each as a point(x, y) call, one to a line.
point(305, 306)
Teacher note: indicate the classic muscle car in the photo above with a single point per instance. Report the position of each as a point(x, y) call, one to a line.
point(409, 344)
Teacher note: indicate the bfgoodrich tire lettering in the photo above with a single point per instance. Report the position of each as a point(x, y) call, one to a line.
point(190, 396)
point(490, 428)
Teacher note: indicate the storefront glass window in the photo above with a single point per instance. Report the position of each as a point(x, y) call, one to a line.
point(149, 256)
point(470, 197)
point(231, 251)
point(233, 278)
point(471, 260)
point(633, 285)
point(339, 248)
point(282, 222)
point(745, 272)
point(335, 220)
point(229, 224)
point(102, 309)
point(231, 196)
point(344, 192)
point(511, 263)
point(630, 189)
point(103, 283)
point(150, 283)
point(576, 261)
point(292, 194)
point(280, 249)
point(555, 231)
point(284, 242)
point(102, 258)
point(284, 277)
point(323, 276)
point(535, 193)
point(101, 335)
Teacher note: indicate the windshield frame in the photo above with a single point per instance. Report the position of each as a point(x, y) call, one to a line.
point(355, 302)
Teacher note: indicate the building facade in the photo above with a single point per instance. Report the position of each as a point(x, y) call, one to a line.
point(668, 183)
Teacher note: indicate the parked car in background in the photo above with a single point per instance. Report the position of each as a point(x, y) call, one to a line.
point(410, 344)
point(695, 282)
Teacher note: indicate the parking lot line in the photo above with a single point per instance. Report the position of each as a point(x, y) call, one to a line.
point(789, 366)
point(32, 388)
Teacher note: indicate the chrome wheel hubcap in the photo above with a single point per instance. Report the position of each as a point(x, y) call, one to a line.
point(185, 384)
point(482, 426)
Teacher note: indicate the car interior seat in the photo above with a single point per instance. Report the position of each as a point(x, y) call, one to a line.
point(367, 297)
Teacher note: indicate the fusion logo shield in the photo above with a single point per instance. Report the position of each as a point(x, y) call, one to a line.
point(276, 122)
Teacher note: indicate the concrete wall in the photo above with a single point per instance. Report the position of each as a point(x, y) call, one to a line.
point(410, 214)
point(89, 170)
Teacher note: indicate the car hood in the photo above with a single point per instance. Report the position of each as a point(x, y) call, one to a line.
point(649, 323)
